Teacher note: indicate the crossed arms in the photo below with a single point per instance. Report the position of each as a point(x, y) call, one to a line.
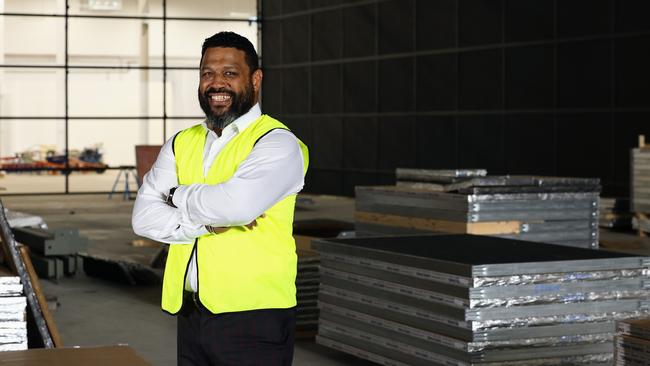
point(272, 171)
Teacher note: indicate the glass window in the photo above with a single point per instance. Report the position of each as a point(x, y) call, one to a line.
point(185, 38)
point(33, 41)
point(237, 9)
point(115, 94)
point(111, 93)
point(25, 145)
point(151, 8)
point(32, 92)
point(34, 6)
point(182, 93)
point(115, 42)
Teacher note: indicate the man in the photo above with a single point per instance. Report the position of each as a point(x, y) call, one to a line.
point(222, 193)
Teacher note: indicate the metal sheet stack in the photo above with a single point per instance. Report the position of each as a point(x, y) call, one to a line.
point(13, 305)
point(475, 300)
point(542, 209)
point(307, 280)
point(632, 342)
point(640, 192)
point(641, 179)
point(615, 213)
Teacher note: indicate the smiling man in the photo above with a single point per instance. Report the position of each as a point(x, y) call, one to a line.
point(222, 194)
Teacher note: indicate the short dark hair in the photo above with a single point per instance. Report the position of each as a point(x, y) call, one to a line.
point(233, 40)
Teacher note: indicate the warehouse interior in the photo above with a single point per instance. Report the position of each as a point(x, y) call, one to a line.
point(518, 125)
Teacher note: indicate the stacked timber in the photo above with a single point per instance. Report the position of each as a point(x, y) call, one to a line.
point(640, 190)
point(542, 209)
point(13, 305)
point(632, 342)
point(615, 213)
point(475, 300)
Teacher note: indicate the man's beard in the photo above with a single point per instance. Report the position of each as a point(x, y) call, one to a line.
point(240, 104)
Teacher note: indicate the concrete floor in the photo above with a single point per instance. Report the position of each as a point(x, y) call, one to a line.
point(94, 311)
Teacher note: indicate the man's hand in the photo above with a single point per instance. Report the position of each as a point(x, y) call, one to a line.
point(219, 230)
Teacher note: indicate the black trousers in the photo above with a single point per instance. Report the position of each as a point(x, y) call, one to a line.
point(256, 337)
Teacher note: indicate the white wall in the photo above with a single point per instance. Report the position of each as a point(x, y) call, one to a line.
point(31, 92)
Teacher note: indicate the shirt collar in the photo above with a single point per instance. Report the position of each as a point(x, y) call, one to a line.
point(240, 123)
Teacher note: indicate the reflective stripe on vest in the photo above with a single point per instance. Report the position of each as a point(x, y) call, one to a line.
point(239, 269)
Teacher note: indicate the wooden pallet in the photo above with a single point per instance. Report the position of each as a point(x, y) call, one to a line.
point(455, 227)
point(642, 217)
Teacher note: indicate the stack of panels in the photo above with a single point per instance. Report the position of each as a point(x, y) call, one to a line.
point(640, 180)
point(633, 342)
point(475, 300)
point(615, 213)
point(307, 280)
point(552, 210)
point(13, 326)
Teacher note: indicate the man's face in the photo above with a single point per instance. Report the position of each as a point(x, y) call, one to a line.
point(227, 89)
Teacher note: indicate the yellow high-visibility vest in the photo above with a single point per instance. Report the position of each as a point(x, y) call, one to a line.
point(239, 269)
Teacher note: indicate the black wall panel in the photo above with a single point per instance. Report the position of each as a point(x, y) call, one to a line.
point(584, 74)
point(295, 40)
point(396, 142)
point(295, 90)
point(395, 36)
point(529, 77)
point(583, 17)
point(324, 3)
point(435, 24)
point(481, 143)
point(360, 143)
point(359, 27)
point(302, 128)
point(436, 142)
point(291, 6)
point(327, 35)
point(530, 144)
point(271, 8)
point(324, 181)
point(529, 20)
point(480, 79)
point(272, 97)
point(550, 87)
point(326, 89)
point(632, 69)
point(273, 35)
point(585, 155)
point(479, 22)
point(327, 148)
point(632, 15)
point(360, 87)
point(396, 85)
point(437, 82)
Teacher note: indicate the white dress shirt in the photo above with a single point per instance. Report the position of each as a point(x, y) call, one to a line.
point(272, 171)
